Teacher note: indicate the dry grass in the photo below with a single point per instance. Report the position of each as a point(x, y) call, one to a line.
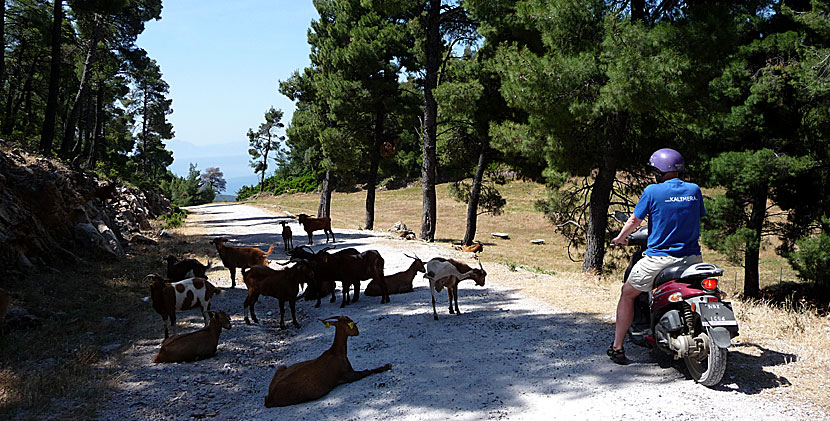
point(779, 352)
point(58, 370)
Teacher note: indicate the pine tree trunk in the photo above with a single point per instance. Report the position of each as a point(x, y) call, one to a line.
point(2, 50)
point(145, 107)
point(430, 162)
point(47, 135)
point(753, 247)
point(71, 121)
point(98, 131)
point(11, 105)
point(638, 10)
point(475, 195)
point(373, 169)
point(89, 126)
point(264, 167)
point(598, 208)
point(324, 209)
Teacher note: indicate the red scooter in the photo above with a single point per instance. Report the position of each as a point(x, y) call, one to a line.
point(683, 315)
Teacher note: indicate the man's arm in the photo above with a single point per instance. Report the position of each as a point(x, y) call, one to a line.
point(629, 227)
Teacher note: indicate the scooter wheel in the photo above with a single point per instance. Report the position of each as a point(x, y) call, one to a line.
point(709, 369)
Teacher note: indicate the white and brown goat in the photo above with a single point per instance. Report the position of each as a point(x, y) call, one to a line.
point(169, 298)
point(310, 380)
point(448, 273)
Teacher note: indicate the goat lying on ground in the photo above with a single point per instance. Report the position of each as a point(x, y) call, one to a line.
point(284, 285)
point(168, 298)
point(398, 283)
point(310, 380)
point(311, 224)
point(187, 268)
point(239, 257)
point(287, 236)
point(475, 247)
point(448, 273)
point(196, 345)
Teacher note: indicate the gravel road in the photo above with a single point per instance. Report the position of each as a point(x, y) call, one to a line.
point(508, 356)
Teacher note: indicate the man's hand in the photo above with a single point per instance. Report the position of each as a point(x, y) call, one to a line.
point(619, 241)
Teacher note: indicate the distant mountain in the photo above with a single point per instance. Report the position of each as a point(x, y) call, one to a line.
point(225, 198)
point(235, 183)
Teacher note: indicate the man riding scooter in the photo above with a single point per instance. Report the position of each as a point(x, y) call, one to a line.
point(674, 208)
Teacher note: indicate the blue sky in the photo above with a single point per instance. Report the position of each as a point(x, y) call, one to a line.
point(223, 61)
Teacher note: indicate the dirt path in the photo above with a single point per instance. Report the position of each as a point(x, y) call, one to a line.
point(508, 355)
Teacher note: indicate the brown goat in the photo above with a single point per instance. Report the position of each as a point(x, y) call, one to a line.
point(349, 267)
point(196, 345)
point(398, 283)
point(168, 298)
point(240, 257)
point(310, 380)
point(287, 236)
point(311, 224)
point(284, 285)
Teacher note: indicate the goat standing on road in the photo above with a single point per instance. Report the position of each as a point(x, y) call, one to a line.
point(310, 380)
point(448, 273)
point(240, 257)
point(168, 298)
point(287, 236)
point(311, 224)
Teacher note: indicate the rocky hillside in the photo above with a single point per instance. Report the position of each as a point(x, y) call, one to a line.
point(52, 215)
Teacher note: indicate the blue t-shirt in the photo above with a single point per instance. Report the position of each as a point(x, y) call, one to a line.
point(674, 208)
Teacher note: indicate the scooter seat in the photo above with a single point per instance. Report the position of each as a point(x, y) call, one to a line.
point(670, 274)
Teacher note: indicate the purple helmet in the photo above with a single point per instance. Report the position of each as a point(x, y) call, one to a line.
point(667, 160)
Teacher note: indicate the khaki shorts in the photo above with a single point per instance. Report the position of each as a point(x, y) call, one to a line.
point(643, 273)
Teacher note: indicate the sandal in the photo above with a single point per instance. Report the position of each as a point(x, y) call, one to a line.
point(617, 355)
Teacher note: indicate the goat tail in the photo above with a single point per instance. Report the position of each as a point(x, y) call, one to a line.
point(209, 263)
point(270, 250)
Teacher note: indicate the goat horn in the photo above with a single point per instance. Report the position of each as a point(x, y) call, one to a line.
point(479, 263)
point(281, 264)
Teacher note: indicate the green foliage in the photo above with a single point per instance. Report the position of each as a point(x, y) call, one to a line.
point(812, 259)
point(174, 219)
point(190, 190)
point(490, 201)
point(281, 184)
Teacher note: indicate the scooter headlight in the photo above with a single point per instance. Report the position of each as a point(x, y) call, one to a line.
point(709, 284)
point(676, 297)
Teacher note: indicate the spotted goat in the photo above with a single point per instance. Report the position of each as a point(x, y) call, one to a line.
point(169, 298)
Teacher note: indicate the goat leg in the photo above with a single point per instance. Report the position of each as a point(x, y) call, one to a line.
point(333, 295)
point(292, 305)
point(232, 269)
point(345, 300)
point(309, 238)
point(432, 292)
point(455, 297)
point(352, 376)
point(282, 314)
point(356, 291)
point(166, 333)
point(449, 297)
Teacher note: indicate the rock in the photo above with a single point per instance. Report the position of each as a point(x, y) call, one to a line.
point(407, 235)
point(537, 241)
point(89, 237)
point(141, 239)
point(502, 235)
point(20, 318)
point(165, 234)
point(110, 347)
point(398, 227)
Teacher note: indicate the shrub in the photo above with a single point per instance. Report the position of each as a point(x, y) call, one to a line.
point(279, 184)
point(173, 219)
point(812, 259)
